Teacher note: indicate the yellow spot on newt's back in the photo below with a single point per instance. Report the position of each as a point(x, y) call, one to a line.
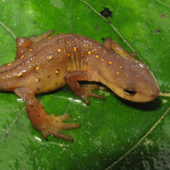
point(97, 56)
point(102, 59)
point(30, 49)
point(8, 64)
point(57, 71)
point(68, 54)
point(59, 50)
point(75, 49)
point(117, 73)
point(50, 57)
point(89, 52)
point(22, 56)
point(110, 62)
point(20, 74)
point(49, 38)
point(37, 68)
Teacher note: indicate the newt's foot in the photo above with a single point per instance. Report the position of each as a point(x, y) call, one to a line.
point(54, 124)
point(86, 91)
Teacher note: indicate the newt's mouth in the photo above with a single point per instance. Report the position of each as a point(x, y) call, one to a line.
point(138, 97)
point(135, 95)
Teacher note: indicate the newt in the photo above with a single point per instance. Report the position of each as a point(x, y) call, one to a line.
point(46, 63)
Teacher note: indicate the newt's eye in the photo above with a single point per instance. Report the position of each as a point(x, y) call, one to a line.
point(129, 92)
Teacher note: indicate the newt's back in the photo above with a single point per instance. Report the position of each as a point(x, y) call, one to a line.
point(41, 66)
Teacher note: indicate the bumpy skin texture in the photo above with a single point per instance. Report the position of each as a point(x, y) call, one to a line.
point(44, 63)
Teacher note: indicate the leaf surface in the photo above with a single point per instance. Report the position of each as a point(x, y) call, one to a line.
point(110, 128)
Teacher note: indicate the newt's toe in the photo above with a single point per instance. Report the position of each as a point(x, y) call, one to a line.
point(54, 126)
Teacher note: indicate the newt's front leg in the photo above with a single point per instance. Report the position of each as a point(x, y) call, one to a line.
point(109, 43)
point(46, 124)
point(72, 79)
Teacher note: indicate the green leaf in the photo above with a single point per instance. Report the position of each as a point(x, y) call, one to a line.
point(112, 131)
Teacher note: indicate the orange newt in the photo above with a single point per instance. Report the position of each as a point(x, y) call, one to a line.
point(46, 63)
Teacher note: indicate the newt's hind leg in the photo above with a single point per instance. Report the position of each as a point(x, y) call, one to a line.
point(23, 43)
point(72, 79)
point(42, 36)
point(109, 43)
point(46, 124)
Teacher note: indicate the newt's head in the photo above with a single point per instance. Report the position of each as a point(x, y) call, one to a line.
point(139, 90)
point(129, 80)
